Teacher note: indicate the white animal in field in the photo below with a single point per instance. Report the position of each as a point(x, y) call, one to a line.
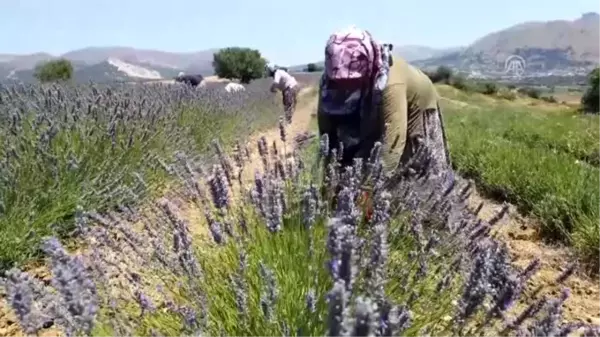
point(234, 87)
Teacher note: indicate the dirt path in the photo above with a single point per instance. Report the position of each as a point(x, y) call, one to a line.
point(307, 106)
point(525, 245)
point(300, 123)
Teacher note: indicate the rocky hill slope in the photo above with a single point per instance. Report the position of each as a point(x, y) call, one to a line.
point(106, 64)
point(547, 48)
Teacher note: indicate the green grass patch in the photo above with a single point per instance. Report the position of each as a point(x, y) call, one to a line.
point(546, 162)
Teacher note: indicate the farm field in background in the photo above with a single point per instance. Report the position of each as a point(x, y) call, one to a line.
point(542, 157)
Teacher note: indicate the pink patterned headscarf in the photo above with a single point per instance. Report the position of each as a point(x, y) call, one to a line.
point(352, 53)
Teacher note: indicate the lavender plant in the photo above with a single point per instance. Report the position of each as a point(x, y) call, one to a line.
point(291, 258)
point(101, 147)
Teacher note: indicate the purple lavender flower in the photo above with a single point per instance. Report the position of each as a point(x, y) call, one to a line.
point(309, 208)
point(77, 289)
point(219, 188)
point(22, 291)
point(144, 301)
point(365, 318)
point(215, 228)
point(338, 301)
point(271, 293)
point(311, 301)
point(282, 131)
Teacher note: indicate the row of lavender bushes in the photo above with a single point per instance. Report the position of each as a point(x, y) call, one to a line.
point(65, 148)
point(295, 254)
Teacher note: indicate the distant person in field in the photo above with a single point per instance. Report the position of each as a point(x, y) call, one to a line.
point(288, 86)
point(363, 99)
point(193, 80)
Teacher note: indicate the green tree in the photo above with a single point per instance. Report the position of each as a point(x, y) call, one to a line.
point(311, 67)
point(459, 82)
point(244, 64)
point(489, 88)
point(442, 74)
point(590, 100)
point(531, 92)
point(56, 70)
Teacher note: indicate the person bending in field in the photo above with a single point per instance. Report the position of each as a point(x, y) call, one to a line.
point(193, 80)
point(363, 100)
point(288, 86)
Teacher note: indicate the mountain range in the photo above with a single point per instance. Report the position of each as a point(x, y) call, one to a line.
point(546, 46)
point(101, 64)
point(558, 47)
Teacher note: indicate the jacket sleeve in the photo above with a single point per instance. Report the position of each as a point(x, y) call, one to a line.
point(387, 122)
point(395, 112)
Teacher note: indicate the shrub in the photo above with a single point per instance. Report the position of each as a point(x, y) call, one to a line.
point(549, 99)
point(591, 100)
point(507, 94)
point(489, 88)
point(460, 83)
point(544, 163)
point(287, 258)
point(98, 147)
point(443, 74)
point(52, 71)
point(311, 67)
point(530, 92)
point(244, 64)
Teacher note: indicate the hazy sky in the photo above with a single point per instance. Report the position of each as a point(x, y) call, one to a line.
point(286, 32)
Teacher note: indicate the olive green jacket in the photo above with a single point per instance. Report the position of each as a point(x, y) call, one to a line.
point(400, 117)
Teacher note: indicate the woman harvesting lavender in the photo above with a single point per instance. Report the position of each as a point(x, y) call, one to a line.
point(288, 86)
point(363, 100)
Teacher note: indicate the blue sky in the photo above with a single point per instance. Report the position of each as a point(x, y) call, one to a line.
point(286, 32)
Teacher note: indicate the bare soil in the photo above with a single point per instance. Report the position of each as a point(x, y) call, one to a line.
point(521, 236)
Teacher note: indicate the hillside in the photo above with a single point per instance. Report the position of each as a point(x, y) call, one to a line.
point(19, 62)
point(111, 70)
point(577, 38)
point(414, 53)
point(558, 47)
point(101, 64)
point(410, 53)
point(191, 62)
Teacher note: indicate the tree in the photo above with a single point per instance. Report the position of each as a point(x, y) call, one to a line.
point(311, 68)
point(442, 74)
point(459, 82)
point(56, 70)
point(590, 100)
point(244, 64)
point(531, 92)
point(489, 88)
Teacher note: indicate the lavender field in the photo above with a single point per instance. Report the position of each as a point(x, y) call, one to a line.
point(132, 200)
